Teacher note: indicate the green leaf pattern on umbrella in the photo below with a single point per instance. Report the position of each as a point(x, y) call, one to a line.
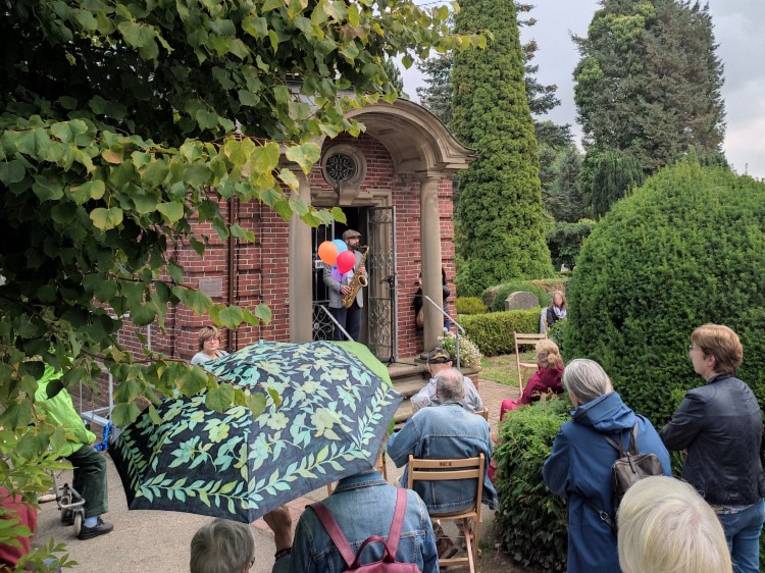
point(232, 461)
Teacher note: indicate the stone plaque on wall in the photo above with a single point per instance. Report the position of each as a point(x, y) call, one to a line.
point(211, 286)
point(521, 299)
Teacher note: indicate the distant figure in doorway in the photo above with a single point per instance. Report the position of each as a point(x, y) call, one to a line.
point(349, 318)
point(209, 346)
point(419, 303)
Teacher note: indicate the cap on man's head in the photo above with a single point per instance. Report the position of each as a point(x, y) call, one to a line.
point(439, 356)
point(350, 234)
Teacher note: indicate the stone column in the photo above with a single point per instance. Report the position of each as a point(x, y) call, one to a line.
point(430, 243)
point(300, 271)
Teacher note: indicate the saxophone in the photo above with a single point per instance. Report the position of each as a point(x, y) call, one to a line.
point(358, 282)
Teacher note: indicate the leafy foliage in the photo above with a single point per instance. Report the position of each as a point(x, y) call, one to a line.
point(530, 523)
point(470, 355)
point(562, 193)
point(649, 81)
point(683, 250)
point(607, 176)
point(493, 332)
point(499, 218)
point(470, 305)
point(119, 123)
point(565, 240)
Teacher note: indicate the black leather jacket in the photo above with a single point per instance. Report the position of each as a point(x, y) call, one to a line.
point(720, 424)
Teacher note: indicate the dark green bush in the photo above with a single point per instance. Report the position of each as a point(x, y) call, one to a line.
point(531, 523)
point(493, 331)
point(685, 249)
point(565, 240)
point(470, 305)
point(494, 297)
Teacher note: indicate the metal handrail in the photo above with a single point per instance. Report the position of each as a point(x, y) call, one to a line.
point(457, 324)
point(333, 319)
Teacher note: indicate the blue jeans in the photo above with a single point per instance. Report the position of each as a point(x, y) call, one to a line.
point(742, 532)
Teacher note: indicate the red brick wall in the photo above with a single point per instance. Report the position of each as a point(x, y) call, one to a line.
point(261, 269)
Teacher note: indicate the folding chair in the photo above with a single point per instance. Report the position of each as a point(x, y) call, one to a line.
point(521, 339)
point(468, 521)
point(484, 414)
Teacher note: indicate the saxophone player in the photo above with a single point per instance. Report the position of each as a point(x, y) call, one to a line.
point(349, 318)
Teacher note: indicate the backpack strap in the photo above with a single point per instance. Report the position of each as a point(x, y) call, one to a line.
point(335, 533)
point(632, 446)
point(394, 535)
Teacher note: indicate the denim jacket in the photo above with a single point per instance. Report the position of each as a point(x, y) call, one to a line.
point(442, 432)
point(363, 506)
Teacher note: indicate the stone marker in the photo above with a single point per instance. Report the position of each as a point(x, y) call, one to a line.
point(520, 300)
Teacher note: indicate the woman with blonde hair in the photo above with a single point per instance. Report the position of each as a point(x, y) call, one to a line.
point(666, 527)
point(547, 379)
point(209, 345)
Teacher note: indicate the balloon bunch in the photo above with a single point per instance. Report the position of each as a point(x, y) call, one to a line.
point(336, 253)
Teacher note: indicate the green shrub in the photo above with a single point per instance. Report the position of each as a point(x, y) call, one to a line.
point(565, 241)
point(531, 523)
point(470, 305)
point(685, 249)
point(470, 355)
point(493, 332)
point(494, 297)
point(551, 285)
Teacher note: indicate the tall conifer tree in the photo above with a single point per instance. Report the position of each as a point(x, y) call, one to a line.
point(500, 222)
point(649, 82)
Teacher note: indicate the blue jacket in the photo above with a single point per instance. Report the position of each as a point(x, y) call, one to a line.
point(442, 432)
point(362, 505)
point(579, 469)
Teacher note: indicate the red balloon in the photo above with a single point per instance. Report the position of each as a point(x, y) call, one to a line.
point(328, 252)
point(345, 261)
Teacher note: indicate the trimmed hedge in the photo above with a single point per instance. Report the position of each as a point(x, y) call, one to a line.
point(470, 305)
point(494, 297)
point(685, 249)
point(493, 332)
point(531, 523)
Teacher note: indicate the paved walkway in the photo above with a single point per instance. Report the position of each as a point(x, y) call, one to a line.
point(158, 541)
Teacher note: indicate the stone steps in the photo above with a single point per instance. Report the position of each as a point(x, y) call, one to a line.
point(407, 379)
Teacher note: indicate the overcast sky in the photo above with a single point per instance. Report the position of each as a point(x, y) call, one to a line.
point(737, 28)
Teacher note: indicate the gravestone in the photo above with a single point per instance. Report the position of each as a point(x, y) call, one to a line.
point(520, 300)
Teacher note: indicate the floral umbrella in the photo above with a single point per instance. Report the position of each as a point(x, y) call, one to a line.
point(330, 424)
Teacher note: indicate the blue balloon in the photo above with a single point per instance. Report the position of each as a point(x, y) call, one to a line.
point(340, 244)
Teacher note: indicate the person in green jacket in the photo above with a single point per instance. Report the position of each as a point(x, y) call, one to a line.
point(89, 465)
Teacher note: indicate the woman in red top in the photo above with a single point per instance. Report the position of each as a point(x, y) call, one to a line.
point(545, 380)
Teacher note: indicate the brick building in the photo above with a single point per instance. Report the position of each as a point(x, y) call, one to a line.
point(394, 184)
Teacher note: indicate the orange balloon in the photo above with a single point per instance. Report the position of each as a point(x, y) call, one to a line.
point(328, 253)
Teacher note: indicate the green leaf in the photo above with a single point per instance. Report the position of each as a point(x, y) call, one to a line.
point(230, 317)
point(255, 26)
point(136, 35)
point(193, 381)
point(240, 232)
point(113, 155)
point(263, 312)
point(269, 5)
point(220, 398)
point(338, 215)
point(304, 155)
point(12, 172)
point(106, 219)
point(155, 172)
point(123, 414)
point(266, 158)
point(282, 94)
point(48, 188)
point(143, 314)
point(89, 190)
point(248, 98)
point(172, 211)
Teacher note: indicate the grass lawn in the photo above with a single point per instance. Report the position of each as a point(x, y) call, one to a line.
point(501, 369)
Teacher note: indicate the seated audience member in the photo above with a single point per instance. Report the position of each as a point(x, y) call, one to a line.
point(580, 465)
point(547, 379)
point(26, 516)
point(222, 546)
point(666, 527)
point(89, 466)
point(445, 431)
point(362, 506)
point(557, 309)
point(439, 362)
point(209, 346)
